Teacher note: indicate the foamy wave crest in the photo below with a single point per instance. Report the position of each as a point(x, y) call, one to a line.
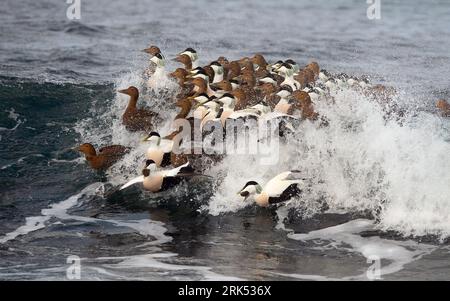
point(360, 162)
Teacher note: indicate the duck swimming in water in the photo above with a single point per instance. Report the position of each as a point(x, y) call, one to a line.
point(105, 157)
point(279, 189)
point(155, 180)
point(133, 118)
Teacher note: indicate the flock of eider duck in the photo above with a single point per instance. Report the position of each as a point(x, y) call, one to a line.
point(222, 90)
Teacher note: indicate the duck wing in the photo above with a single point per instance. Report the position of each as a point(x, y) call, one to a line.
point(180, 170)
point(291, 191)
point(114, 150)
point(280, 183)
point(145, 114)
point(139, 179)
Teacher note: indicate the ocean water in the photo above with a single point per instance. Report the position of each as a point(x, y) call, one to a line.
point(58, 83)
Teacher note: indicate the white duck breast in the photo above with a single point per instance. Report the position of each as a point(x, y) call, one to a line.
point(159, 152)
point(283, 93)
point(228, 102)
point(282, 106)
point(218, 73)
point(213, 110)
point(157, 79)
point(314, 96)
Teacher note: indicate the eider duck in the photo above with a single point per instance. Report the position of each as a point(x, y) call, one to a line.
point(155, 180)
point(279, 189)
point(105, 157)
point(133, 118)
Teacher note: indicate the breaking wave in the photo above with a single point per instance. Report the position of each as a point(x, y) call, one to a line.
point(396, 169)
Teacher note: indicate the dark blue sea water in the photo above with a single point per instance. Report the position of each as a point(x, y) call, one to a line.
point(58, 82)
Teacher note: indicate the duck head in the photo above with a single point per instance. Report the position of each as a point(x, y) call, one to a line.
point(227, 100)
point(87, 149)
point(131, 91)
point(152, 50)
point(153, 137)
point(185, 60)
point(250, 189)
point(259, 60)
point(191, 53)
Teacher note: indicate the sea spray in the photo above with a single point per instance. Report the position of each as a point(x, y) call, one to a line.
point(364, 160)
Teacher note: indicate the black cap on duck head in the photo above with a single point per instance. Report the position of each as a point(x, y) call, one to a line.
point(152, 134)
point(290, 62)
point(159, 55)
point(245, 193)
point(189, 49)
point(287, 88)
point(215, 63)
point(149, 162)
point(227, 95)
point(249, 183)
point(131, 90)
point(197, 72)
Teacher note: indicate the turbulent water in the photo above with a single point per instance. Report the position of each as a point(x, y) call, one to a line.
point(58, 85)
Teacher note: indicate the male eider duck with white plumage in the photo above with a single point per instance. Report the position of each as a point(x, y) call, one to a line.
point(157, 180)
point(281, 188)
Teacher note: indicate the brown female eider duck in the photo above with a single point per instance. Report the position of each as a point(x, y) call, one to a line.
point(136, 119)
point(105, 157)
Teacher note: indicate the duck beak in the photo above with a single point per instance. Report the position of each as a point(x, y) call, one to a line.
point(146, 50)
point(123, 91)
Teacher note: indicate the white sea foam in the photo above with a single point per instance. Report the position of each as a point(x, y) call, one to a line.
point(59, 210)
point(361, 161)
point(346, 237)
point(154, 262)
